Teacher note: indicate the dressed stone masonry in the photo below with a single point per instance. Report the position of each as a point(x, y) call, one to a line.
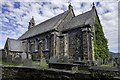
point(63, 35)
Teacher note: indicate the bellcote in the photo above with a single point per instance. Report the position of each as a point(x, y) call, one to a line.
point(70, 7)
point(93, 5)
point(31, 23)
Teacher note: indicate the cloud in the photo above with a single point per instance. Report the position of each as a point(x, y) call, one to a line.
point(16, 15)
point(109, 19)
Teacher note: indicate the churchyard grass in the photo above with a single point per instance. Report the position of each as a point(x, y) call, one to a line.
point(34, 64)
point(39, 64)
point(106, 65)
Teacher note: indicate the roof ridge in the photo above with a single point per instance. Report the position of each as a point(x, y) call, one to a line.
point(49, 19)
point(63, 17)
point(57, 18)
point(81, 20)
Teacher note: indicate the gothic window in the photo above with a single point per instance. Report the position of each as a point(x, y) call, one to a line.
point(31, 46)
point(62, 45)
point(23, 44)
point(44, 44)
point(28, 46)
point(48, 42)
point(39, 45)
point(36, 45)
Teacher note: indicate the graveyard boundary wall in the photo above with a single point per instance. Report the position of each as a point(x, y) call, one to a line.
point(18, 73)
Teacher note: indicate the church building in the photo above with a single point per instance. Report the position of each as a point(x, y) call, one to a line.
point(63, 35)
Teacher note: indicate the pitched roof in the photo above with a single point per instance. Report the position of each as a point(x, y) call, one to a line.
point(14, 45)
point(81, 20)
point(45, 26)
point(52, 23)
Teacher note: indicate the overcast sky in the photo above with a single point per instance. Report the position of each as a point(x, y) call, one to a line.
point(15, 16)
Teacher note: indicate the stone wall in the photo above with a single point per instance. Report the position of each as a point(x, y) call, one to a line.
point(11, 73)
point(41, 74)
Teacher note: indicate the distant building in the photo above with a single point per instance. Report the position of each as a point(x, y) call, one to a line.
point(63, 35)
point(2, 54)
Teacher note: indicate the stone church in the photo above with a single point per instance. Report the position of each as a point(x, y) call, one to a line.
point(63, 35)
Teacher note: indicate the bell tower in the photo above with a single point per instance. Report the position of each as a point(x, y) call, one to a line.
point(70, 7)
point(31, 23)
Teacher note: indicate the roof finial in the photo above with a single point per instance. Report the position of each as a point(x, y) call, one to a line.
point(70, 3)
point(31, 23)
point(70, 6)
point(93, 5)
point(32, 17)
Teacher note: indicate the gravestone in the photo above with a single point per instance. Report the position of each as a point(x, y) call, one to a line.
point(53, 60)
point(118, 62)
point(74, 68)
point(23, 56)
point(17, 60)
point(29, 56)
point(79, 59)
point(98, 62)
point(1, 55)
point(9, 58)
point(91, 63)
point(63, 59)
point(43, 60)
point(27, 62)
point(112, 62)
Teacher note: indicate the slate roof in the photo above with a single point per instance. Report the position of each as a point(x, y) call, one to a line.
point(81, 20)
point(52, 24)
point(14, 45)
point(45, 26)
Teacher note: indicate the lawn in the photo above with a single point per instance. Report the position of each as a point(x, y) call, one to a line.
point(39, 64)
point(106, 65)
point(34, 64)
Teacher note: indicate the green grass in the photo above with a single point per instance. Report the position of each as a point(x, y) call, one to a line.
point(34, 64)
point(40, 64)
point(10, 64)
point(106, 65)
point(0, 62)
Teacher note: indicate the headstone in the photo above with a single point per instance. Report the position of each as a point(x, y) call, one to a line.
point(98, 61)
point(63, 59)
point(118, 62)
point(29, 56)
point(17, 60)
point(1, 55)
point(27, 62)
point(1, 72)
point(75, 68)
point(79, 59)
point(112, 62)
point(43, 60)
point(53, 60)
point(9, 58)
point(23, 56)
